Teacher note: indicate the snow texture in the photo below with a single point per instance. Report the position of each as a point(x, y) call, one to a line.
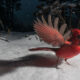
point(39, 65)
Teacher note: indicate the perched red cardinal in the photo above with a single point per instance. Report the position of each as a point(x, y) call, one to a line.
point(52, 35)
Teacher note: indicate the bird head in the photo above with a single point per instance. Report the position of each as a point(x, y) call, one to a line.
point(75, 32)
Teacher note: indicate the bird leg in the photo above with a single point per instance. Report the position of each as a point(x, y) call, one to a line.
point(67, 62)
point(57, 63)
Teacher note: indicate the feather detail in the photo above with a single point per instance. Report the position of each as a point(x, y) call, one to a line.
point(49, 21)
point(43, 49)
point(44, 21)
point(56, 23)
point(67, 35)
point(49, 35)
point(62, 29)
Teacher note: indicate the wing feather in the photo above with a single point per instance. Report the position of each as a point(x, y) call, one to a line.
point(44, 21)
point(62, 29)
point(56, 23)
point(48, 34)
point(67, 35)
point(50, 21)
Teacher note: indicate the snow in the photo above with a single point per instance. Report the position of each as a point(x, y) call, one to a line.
point(39, 65)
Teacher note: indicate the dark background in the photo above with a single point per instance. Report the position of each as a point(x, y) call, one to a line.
point(17, 15)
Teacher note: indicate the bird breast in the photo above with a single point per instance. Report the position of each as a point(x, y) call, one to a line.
point(68, 51)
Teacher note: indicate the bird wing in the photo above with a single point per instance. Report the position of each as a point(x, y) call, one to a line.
point(49, 34)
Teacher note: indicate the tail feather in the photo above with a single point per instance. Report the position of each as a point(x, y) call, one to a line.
point(43, 49)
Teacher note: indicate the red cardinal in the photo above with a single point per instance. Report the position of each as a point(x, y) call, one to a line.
point(56, 37)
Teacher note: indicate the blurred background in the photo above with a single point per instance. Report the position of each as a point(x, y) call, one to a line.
point(18, 15)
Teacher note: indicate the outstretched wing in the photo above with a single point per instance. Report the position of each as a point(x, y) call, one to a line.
point(49, 34)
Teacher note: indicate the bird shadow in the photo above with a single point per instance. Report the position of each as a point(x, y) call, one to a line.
point(34, 60)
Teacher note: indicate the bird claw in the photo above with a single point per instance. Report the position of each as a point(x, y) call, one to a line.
point(67, 62)
point(57, 67)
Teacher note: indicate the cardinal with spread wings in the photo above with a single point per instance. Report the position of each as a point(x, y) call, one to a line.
point(56, 37)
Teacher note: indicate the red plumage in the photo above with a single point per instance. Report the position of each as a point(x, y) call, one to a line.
point(54, 37)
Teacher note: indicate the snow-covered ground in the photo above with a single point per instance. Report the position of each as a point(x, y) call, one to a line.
point(39, 65)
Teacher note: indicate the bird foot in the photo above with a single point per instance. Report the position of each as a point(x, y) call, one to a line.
point(57, 67)
point(67, 62)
